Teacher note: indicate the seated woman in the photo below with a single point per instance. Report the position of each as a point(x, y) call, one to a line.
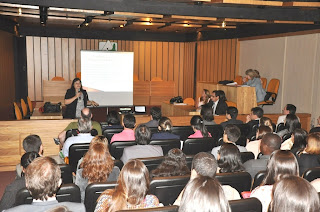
point(254, 146)
point(131, 192)
point(253, 77)
point(294, 194)
point(204, 194)
point(204, 99)
point(297, 141)
point(310, 156)
point(96, 166)
point(207, 115)
point(229, 159)
point(291, 123)
point(9, 195)
point(265, 121)
point(174, 164)
point(164, 128)
point(281, 164)
point(200, 130)
point(113, 120)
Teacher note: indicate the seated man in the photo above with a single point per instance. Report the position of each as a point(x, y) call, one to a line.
point(204, 164)
point(218, 102)
point(231, 135)
point(288, 109)
point(129, 122)
point(84, 136)
point(269, 143)
point(143, 149)
point(231, 115)
point(155, 117)
point(43, 179)
point(253, 119)
point(85, 115)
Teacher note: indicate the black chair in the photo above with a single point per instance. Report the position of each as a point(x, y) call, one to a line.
point(315, 129)
point(154, 130)
point(244, 128)
point(166, 145)
point(242, 141)
point(189, 159)
point(183, 131)
point(216, 132)
point(246, 205)
point(280, 127)
point(274, 126)
point(75, 132)
point(238, 180)
point(193, 146)
point(172, 208)
point(109, 132)
point(66, 193)
point(311, 174)
point(118, 163)
point(286, 136)
point(253, 132)
point(76, 152)
point(152, 162)
point(167, 189)
point(258, 178)
point(66, 173)
point(245, 156)
point(93, 191)
point(116, 148)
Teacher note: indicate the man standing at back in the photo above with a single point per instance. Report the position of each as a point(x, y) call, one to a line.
point(43, 178)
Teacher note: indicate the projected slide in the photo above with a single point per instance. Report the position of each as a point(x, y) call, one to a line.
point(108, 77)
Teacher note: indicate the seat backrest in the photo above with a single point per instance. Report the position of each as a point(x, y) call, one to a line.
point(24, 108)
point(258, 178)
point(171, 208)
point(109, 132)
point(244, 128)
point(30, 105)
point(66, 173)
point(116, 148)
point(238, 180)
point(57, 79)
point(189, 101)
point(193, 146)
point(78, 75)
point(286, 136)
point(152, 162)
point(17, 111)
point(246, 205)
point(183, 131)
point(311, 174)
point(75, 132)
point(118, 163)
point(273, 86)
point(166, 145)
point(93, 191)
point(245, 156)
point(66, 193)
point(167, 189)
point(280, 127)
point(238, 80)
point(216, 132)
point(189, 159)
point(154, 130)
point(231, 104)
point(76, 152)
point(264, 82)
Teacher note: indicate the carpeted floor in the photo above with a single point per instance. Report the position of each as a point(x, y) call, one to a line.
point(5, 179)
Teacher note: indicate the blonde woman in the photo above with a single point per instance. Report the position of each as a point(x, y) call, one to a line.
point(254, 81)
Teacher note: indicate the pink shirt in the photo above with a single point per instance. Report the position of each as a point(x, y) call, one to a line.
point(198, 134)
point(125, 135)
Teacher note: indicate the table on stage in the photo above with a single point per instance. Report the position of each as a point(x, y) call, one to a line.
point(244, 97)
point(42, 116)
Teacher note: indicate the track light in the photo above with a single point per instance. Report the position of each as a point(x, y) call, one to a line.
point(223, 25)
point(108, 13)
point(43, 15)
point(86, 21)
point(19, 11)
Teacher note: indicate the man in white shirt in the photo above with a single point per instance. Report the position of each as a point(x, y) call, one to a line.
point(288, 109)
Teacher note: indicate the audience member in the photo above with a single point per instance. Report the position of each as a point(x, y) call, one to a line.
point(294, 194)
point(174, 164)
point(9, 195)
point(113, 120)
point(84, 136)
point(253, 77)
point(291, 123)
point(143, 149)
point(299, 140)
point(316, 184)
point(204, 99)
point(265, 121)
point(253, 120)
point(85, 115)
point(164, 128)
point(229, 159)
point(97, 166)
point(129, 122)
point(207, 115)
point(231, 135)
point(131, 192)
point(269, 143)
point(317, 127)
point(204, 194)
point(218, 102)
point(254, 146)
point(310, 156)
point(155, 117)
point(43, 179)
point(231, 115)
point(200, 130)
point(281, 164)
point(288, 109)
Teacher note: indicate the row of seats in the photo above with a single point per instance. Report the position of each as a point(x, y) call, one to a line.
point(27, 109)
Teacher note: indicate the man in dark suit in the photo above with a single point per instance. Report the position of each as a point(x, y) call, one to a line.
point(218, 102)
point(231, 115)
point(253, 120)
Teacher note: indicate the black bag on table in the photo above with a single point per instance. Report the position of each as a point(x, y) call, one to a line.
point(51, 108)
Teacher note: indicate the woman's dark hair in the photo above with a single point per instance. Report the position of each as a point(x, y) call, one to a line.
point(174, 164)
point(165, 124)
point(262, 130)
point(142, 134)
point(113, 118)
point(300, 139)
point(207, 113)
point(197, 123)
point(221, 94)
point(230, 159)
point(75, 80)
point(27, 158)
point(292, 122)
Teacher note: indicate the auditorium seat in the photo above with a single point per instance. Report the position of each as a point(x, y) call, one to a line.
point(280, 127)
point(66, 173)
point(154, 130)
point(30, 105)
point(311, 174)
point(93, 191)
point(272, 89)
point(75, 132)
point(66, 193)
point(167, 189)
point(244, 128)
point(245, 156)
point(193, 146)
point(166, 145)
point(24, 109)
point(171, 208)
point(246, 205)
point(264, 82)
point(189, 159)
point(216, 132)
point(152, 162)
point(241, 181)
point(286, 137)
point(108, 133)
point(231, 104)
point(118, 163)
point(116, 148)
point(183, 131)
point(57, 79)
point(238, 80)
point(78, 75)
point(189, 101)
point(76, 152)
point(17, 111)
point(258, 178)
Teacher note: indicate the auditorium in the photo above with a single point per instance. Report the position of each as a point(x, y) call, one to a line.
point(160, 105)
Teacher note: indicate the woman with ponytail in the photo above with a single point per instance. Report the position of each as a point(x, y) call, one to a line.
point(200, 130)
point(164, 128)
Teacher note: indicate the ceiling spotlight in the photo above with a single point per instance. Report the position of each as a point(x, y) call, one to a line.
point(121, 25)
point(86, 21)
point(19, 11)
point(108, 13)
point(223, 25)
point(43, 15)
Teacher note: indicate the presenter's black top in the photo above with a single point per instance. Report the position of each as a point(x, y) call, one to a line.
point(71, 108)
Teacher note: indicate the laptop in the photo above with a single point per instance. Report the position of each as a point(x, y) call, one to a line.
point(140, 109)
